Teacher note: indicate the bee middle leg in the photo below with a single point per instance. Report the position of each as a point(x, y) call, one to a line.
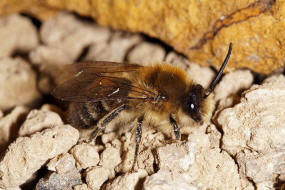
point(107, 119)
point(138, 139)
point(175, 127)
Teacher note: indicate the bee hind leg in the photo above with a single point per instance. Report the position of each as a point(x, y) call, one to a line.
point(138, 139)
point(106, 119)
point(175, 127)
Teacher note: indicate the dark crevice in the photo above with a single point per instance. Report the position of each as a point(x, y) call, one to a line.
point(36, 22)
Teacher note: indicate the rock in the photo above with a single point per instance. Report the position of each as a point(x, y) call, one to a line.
point(17, 83)
point(64, 38)
point(110, 158)
point(62, 181)
point(166, 180)
point(37, 120)
point(62, 163)
point(128, 181)
point(14, 30)
point(194, 28)
point(262, 169)
point(146, 53)
point(232, 83)
point(258, 121)
point(28, 154)
point(9, 126)
point(65, 177)
point(177, 156)
point(254, 130)
point(81, 187)
point(115, 50)
point(86, 155)
point(96, 176)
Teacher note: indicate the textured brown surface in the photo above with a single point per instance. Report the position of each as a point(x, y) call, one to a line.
point(201, 30)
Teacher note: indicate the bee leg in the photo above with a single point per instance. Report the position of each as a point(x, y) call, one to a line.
point(138, 139)
point(107, 119)
point(175, 127)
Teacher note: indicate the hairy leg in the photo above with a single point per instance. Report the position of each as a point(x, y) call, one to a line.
point(107, 119)
point(175, 127)
point(138, 139)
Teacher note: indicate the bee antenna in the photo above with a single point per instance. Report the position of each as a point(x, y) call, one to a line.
point(215, 81)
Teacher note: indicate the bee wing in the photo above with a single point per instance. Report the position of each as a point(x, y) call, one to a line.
point(94, 81)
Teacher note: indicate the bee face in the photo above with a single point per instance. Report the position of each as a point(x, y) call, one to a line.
point(192, 102)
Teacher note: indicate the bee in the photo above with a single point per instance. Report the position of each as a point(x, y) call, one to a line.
point(161, 94)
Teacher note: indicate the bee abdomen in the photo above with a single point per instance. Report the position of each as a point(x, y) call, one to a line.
point(85, 115)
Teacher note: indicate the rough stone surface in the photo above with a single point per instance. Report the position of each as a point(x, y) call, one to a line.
point(38, 120)
point(17, 83)
point(258, 121)
point(9, 126)
point(128, 181)
point(14, 30)
point(115, 50)
point(146, 53)
point(27, 154)
point(254, 131)
point(243, 79)
point(110, 158)
point(166, 180)
point(64, 39)
point(96, 176)
point(86, 155)
point(65, 177)
point(202, 30)
point(62, 163)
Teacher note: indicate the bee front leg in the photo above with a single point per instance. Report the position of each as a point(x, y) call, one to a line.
point(138, 139)
point(107, 119)
point(175, 127)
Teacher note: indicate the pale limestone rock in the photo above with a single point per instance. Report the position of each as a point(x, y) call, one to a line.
point(115, 50)
point(110, 157)
point(232, 83)
point(50, 55)
point(149, 141)
point(213, 169)
point(128, 181)
point(17, 33)
point(10, 124)
point(65, 174)
point(198, 164)
point(201, 75)
point(38, 120)
point(262, 169)
point(65, 37)
point(166, 180)
point(17, 83)
point(62, 163)
point(28, 154)
point(177, 60)
point(60, 181)
point(96, 176)
point(258, 121)
point(86, 155)
point(146, 53)
point(81, 187)
point(176, 156)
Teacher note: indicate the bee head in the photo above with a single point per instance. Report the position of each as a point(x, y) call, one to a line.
point(192, 102)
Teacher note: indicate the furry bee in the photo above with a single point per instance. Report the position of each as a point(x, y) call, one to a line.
point(161, 94)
